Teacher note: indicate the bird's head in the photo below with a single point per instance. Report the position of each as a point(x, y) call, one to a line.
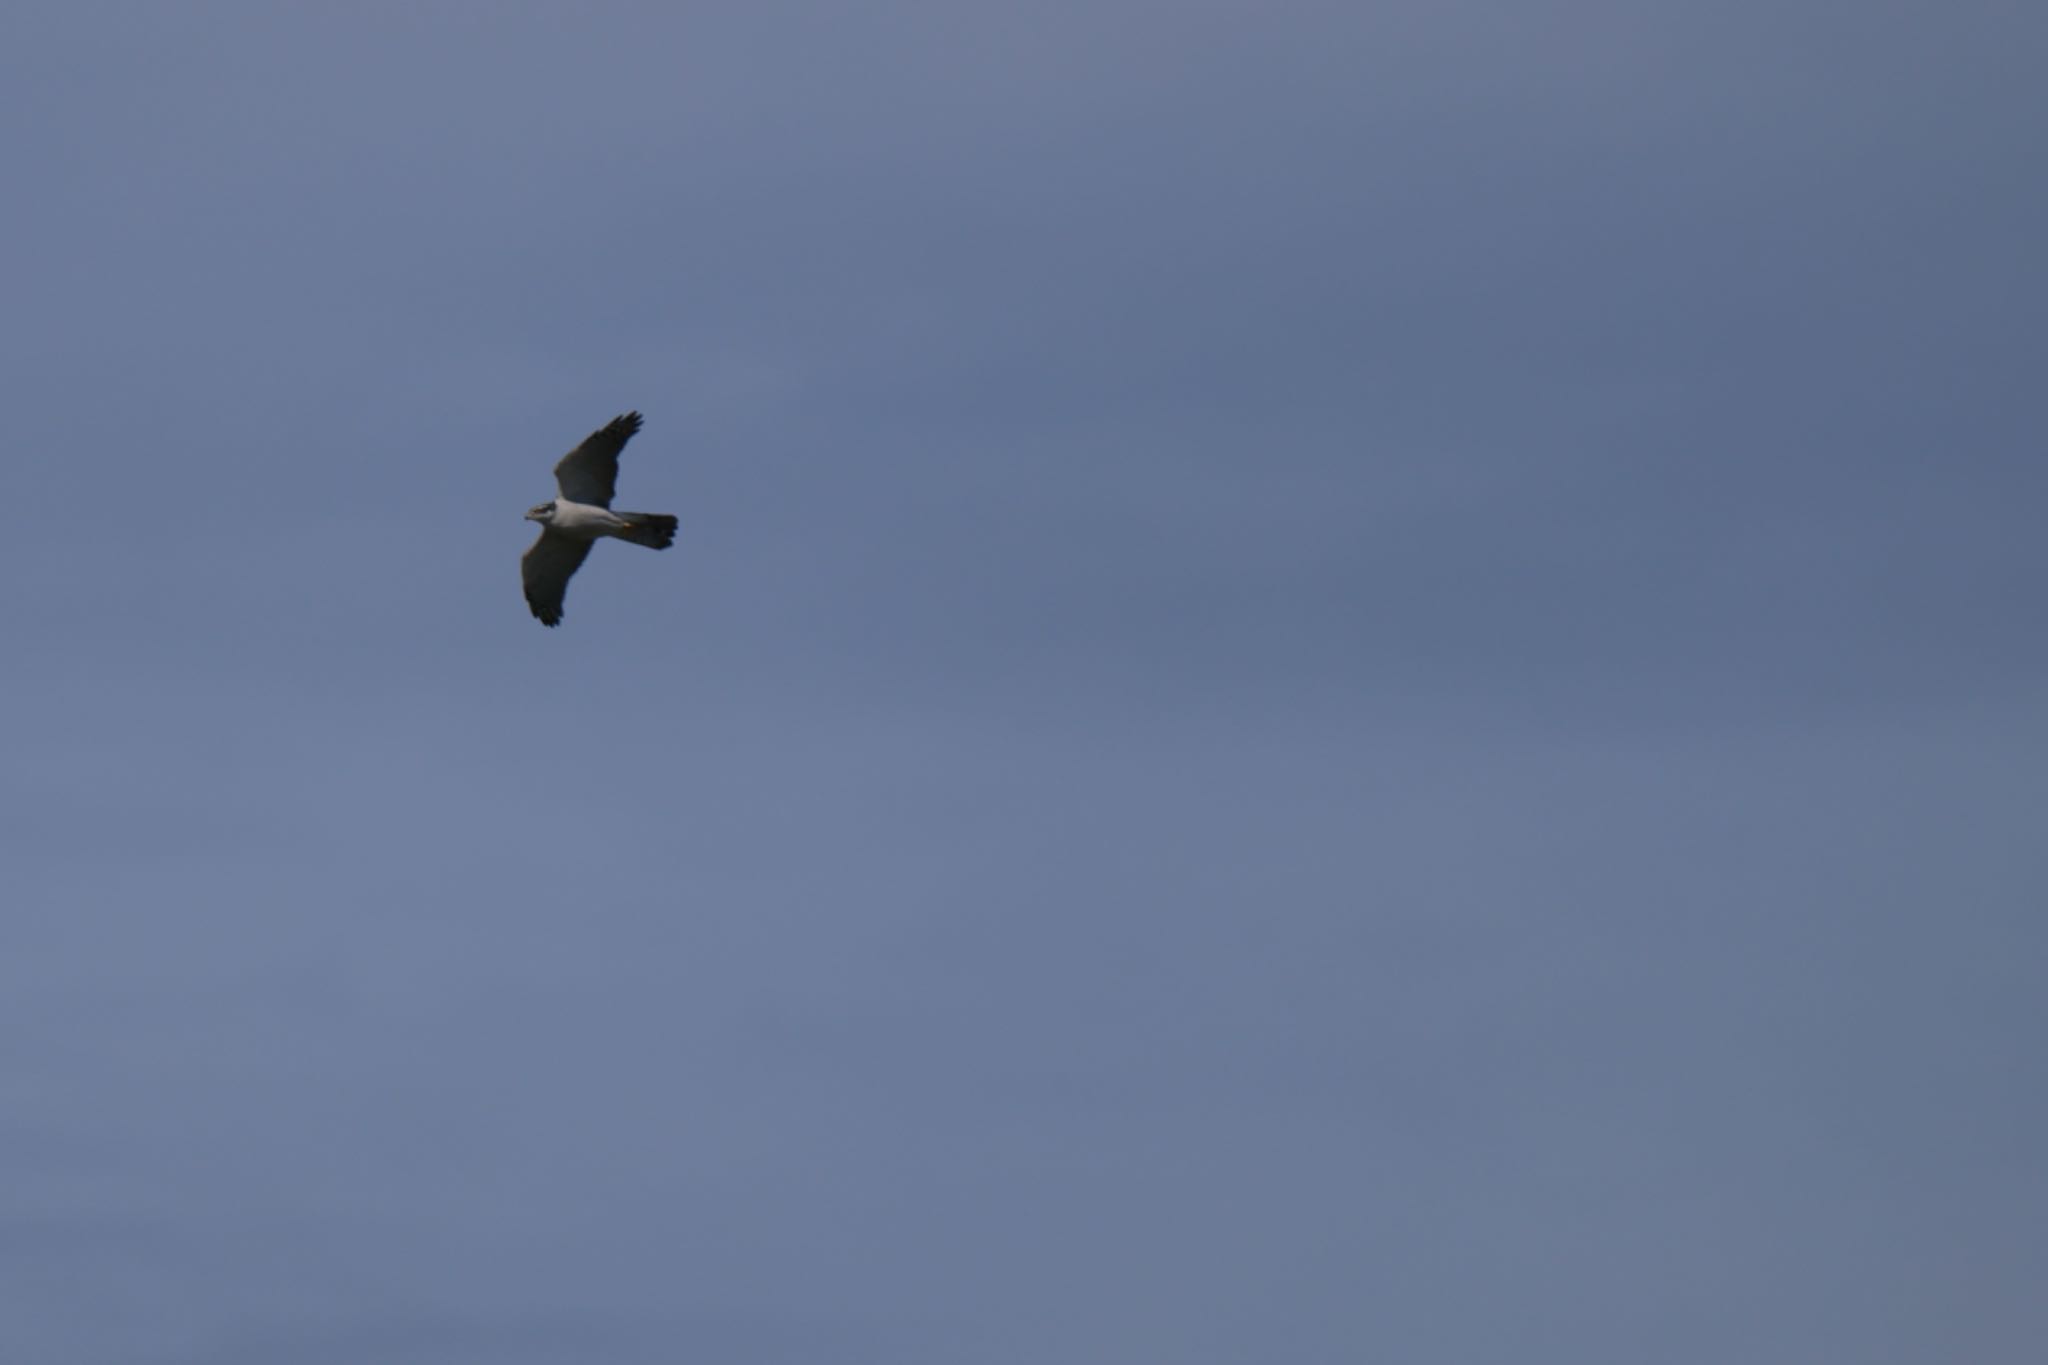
point(541, 512)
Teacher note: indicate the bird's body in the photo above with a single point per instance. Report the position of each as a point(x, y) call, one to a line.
point(581, 516)
point(581, 519)
point(585, 522)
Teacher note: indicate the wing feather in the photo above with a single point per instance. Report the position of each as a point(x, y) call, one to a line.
point(546, 567)
point(589, 473)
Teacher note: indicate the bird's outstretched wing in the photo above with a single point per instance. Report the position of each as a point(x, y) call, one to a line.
point(546, 567)
point(588, 473)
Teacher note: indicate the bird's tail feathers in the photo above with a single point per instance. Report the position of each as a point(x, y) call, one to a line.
point(655, 530)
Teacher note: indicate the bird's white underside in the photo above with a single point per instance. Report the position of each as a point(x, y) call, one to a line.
point(581, 519)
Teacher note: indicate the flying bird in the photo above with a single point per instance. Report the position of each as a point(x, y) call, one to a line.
point(572, 523)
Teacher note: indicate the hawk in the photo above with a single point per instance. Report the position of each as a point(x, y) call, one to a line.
point(573, 522)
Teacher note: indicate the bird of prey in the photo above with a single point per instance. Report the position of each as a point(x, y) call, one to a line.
point(573, 522)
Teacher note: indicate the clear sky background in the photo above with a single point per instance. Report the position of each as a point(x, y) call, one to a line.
point(1343, 683)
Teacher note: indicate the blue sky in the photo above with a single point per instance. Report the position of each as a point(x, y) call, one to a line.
point(1340, 684)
